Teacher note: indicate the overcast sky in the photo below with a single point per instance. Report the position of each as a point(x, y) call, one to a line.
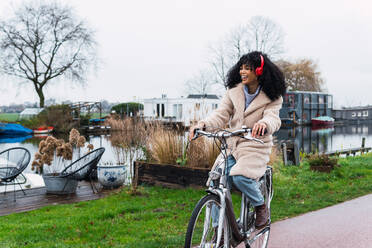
point(149, 48)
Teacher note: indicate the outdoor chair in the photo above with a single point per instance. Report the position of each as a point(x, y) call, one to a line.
point(13, 162)
point(84, 167)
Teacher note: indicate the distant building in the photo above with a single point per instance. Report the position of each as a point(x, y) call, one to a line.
point(301, 106)
point(30, 112)
point(183, 109)
point(354, 114)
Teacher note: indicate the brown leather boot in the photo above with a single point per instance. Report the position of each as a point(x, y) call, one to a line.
point(262, 216)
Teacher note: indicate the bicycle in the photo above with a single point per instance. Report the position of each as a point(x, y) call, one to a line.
point(200, 232)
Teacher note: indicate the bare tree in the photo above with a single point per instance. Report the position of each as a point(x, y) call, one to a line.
point(265, 35)
point(260, 33)
point(200, 83)
point(219, 61)
point(44, 41)
point(302, 75)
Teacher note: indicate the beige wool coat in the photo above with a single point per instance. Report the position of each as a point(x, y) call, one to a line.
point(251, 156)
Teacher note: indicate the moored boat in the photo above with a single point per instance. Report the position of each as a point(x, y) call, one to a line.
point(43, 130)
point(322, 121)
point(14, 129)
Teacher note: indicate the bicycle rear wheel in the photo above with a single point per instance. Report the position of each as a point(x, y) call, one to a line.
point(200, 232)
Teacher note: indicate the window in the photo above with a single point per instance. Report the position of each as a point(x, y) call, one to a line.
point(306, 99)
point(353, 114)
point(359, 114)
point(329, 100)
point(177, 110)
point(197, 106)
point(321, 100)
point(214, 105)
point(365, 113)
point(162, 110)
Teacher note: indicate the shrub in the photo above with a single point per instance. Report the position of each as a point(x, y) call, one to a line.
point(33, 123)
point(127, 107)
point(322, 160)
point(84, 119)
point(58, 116)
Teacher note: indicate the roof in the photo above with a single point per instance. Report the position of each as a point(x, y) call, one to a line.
point(198, 96)
point(368, 107)
point(307, 92)
point(31, 111)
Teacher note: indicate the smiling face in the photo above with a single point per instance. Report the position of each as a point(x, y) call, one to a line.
point(248, 75)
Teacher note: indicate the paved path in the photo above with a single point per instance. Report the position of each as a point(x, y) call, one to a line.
point(348, 224)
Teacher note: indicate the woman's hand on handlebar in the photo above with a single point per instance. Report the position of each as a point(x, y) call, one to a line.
point(193, 128)
point(258, 129)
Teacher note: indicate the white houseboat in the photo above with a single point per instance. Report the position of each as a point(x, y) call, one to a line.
point(183, 110)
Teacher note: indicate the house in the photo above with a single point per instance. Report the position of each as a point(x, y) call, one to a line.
point(183, 110)
point(28, 113)
point(353, 114)
point(300, 106)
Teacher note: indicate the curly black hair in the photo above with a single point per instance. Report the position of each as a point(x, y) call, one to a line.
point(272, 79)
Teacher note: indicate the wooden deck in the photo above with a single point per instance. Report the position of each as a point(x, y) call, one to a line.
point(37, 198)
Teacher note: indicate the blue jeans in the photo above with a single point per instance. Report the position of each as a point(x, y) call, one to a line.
point(246, 185)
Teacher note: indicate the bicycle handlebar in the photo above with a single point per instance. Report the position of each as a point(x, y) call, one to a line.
point(227, 134)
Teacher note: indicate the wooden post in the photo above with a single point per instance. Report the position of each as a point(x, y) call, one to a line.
point(284, 149)
point(296, 152)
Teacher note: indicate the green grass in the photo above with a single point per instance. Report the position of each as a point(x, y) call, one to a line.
point(9, 117)
point(13, 117)
point(159, 217)
point(96, 115)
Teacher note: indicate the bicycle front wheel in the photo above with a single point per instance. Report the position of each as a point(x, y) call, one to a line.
point(261, 238)
point(201, 232)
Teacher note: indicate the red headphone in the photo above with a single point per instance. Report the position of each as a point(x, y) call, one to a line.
point(259, 70)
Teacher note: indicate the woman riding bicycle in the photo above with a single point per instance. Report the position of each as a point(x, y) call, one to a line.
point(254, 97)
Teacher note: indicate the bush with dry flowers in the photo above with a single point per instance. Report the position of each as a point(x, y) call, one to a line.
point(57, 154)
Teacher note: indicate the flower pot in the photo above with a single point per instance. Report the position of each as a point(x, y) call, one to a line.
point(111, 176)
point(58, 185)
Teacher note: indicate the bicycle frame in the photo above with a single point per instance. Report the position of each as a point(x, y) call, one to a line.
point(240, 229)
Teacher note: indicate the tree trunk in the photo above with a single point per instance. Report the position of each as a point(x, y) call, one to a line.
point(41, 97)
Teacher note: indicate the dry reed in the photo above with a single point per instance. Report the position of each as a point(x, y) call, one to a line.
point(275, 158)
point(202, 153)
point(127, 139)
point(164, 145)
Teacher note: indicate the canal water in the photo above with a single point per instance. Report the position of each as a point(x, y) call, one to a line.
point(308, 139)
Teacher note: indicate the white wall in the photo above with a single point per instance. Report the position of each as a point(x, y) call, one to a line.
point(189, 109)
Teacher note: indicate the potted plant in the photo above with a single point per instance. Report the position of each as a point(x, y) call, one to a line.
point(322, 162)
point(111, 175)
point(57, 155)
